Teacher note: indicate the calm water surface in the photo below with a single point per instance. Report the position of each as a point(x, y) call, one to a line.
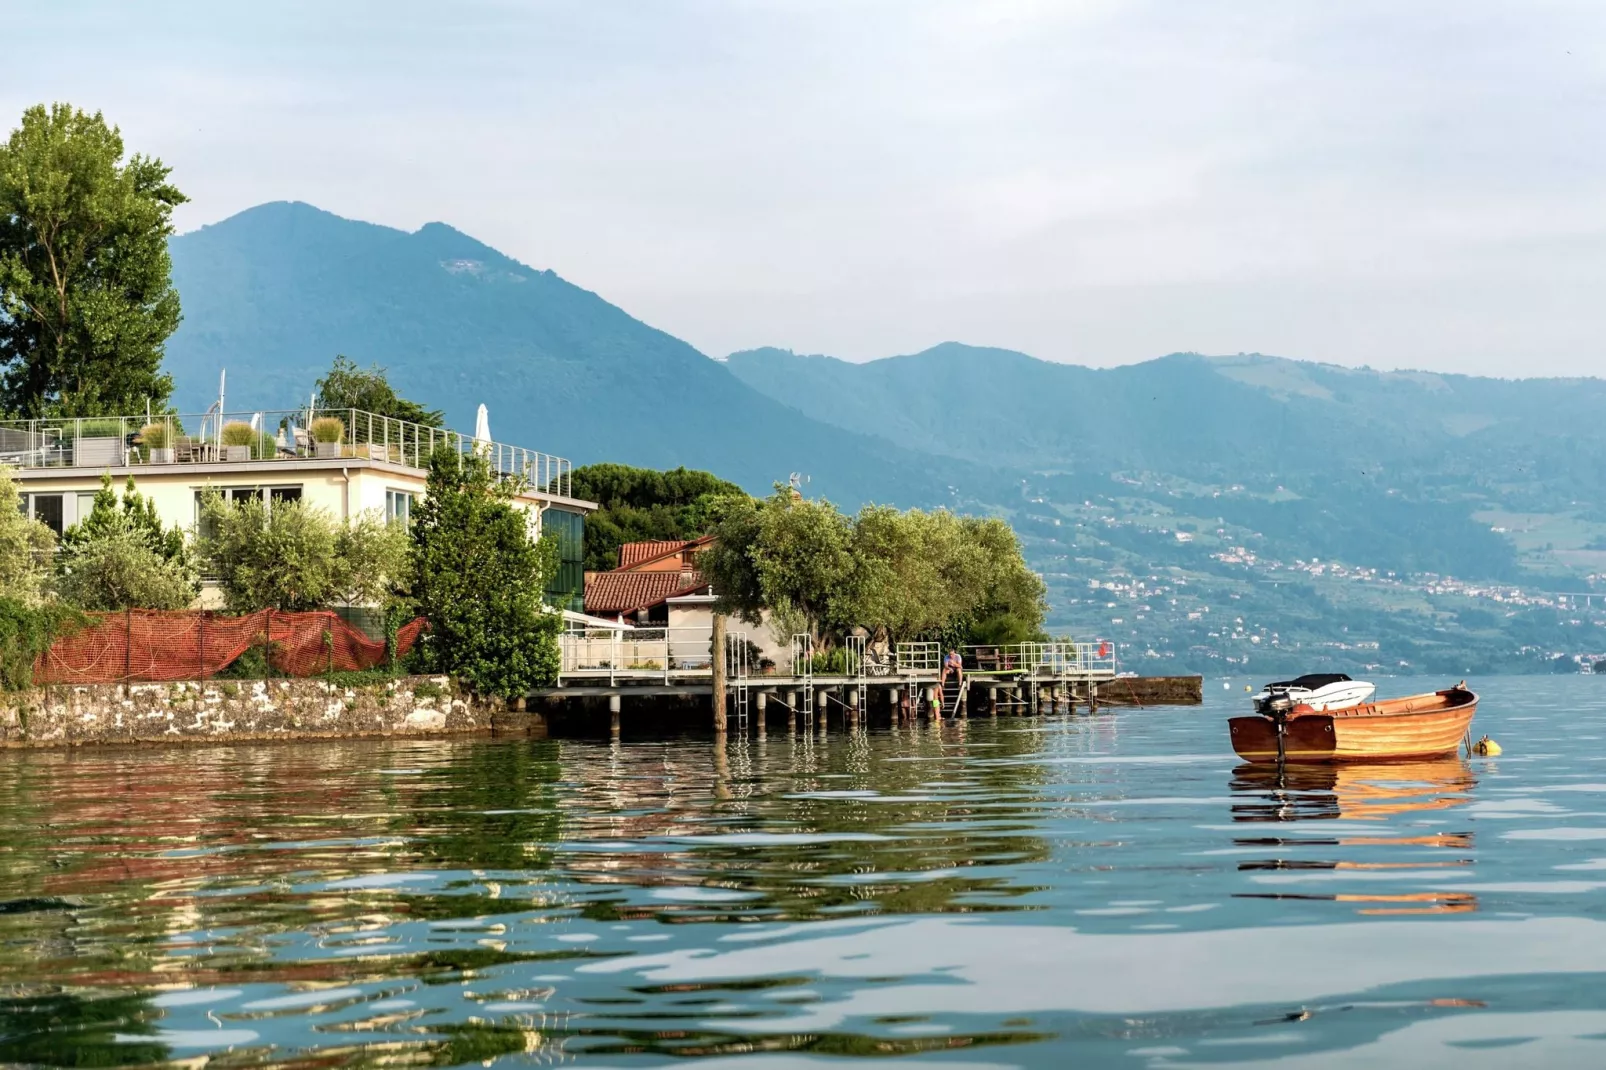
point(1108, 890)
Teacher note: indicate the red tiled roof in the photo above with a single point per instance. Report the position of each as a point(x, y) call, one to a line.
point(632, 554)
point(636, 554)
point(625, 592)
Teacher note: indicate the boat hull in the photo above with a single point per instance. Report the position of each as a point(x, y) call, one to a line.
point(1421, 726)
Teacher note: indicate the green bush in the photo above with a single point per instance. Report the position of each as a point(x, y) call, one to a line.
point(25, 546)
point(98, 427)
point(25, 633)
point(296, 557)
point(238, 433)
point(155, 436)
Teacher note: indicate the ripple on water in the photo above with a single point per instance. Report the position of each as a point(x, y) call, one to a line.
point(1112, 889)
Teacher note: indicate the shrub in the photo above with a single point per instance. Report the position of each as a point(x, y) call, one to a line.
point(155, 436)
point(25, 546)
point(327, 429)
point(26, 631)
point(295, 557)
point(239, 433)
point(118, 570)
point(98, 427)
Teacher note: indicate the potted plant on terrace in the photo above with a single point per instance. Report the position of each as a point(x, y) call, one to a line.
point(238, 437)
point(157, 441)
point(327, 434)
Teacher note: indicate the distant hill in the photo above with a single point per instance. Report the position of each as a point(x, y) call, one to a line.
point(1219, 418)
point(1217, 513)
point(272, 294)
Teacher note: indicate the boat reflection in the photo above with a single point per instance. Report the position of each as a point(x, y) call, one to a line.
point(1376, 793)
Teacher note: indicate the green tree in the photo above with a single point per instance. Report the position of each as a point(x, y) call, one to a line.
point(791, 556)
point(919, 575)
point(642, 503)
point(347, 386)
point(295, 557)
point(86, 299)
point(25, 546)
point(117, 569)
point(478, 577)
point(132, 512)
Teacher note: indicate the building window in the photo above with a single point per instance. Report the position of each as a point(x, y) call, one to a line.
point(567, 588)
point(275, 495)
point(399, 507)
point(47, 509)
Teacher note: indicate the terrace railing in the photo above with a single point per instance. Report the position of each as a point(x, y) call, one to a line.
point(261, 435)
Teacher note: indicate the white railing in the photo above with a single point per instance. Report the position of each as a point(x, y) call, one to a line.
point(648, 652)
point(918, 659)
point(261, 435)
point(1062, 657)
point(636, 652)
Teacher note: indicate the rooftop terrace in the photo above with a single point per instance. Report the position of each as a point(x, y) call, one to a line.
point(264, 435)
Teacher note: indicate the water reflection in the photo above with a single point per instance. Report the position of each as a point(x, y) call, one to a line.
point(1038, 892)
point(1360, 793)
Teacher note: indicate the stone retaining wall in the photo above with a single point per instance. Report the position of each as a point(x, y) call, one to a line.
point(233, 710)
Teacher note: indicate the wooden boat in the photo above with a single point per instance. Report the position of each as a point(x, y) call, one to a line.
point(1419, 726)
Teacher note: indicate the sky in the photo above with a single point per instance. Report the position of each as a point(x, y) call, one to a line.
point(1092, 181)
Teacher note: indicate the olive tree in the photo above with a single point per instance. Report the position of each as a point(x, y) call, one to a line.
point(291, 556)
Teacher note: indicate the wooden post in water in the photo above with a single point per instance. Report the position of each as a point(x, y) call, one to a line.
point(614, 703)
point(758, 710)
point(718, 653)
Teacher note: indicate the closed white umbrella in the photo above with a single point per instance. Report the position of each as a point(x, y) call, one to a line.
point(482, 431)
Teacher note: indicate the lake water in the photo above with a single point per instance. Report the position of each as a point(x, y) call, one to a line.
point(1106, 890)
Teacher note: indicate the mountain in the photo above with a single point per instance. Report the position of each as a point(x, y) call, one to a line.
point(1248, 417)
point(274, 293)
point(1361, 518)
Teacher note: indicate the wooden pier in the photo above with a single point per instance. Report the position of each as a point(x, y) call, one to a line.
point(845, 684)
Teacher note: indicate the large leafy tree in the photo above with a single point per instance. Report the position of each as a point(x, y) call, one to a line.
point(642, 503)
point(86, 299)
point(793, 557)
point(346, 386)
point(918, 575)
point(478, 577)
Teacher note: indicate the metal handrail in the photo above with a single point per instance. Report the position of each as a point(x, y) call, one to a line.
point(263, 435)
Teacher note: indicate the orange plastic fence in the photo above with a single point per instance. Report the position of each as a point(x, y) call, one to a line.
point(152, 645)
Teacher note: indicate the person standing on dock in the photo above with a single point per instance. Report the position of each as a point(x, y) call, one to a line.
point(952, 665)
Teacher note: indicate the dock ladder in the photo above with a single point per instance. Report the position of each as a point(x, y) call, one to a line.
point(854, 657)
point(803, 672)
point(737, 668)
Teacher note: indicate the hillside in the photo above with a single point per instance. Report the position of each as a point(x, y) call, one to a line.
point(1204, 511)
point(272, 294)
point(1359, 517)
point(1245, 418)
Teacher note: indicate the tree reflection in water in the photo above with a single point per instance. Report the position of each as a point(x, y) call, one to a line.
point(347, 877)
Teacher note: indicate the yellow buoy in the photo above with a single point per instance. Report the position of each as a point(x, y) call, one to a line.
point(1486, 747)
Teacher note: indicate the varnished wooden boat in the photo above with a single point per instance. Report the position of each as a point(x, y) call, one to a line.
point(1419, 726)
